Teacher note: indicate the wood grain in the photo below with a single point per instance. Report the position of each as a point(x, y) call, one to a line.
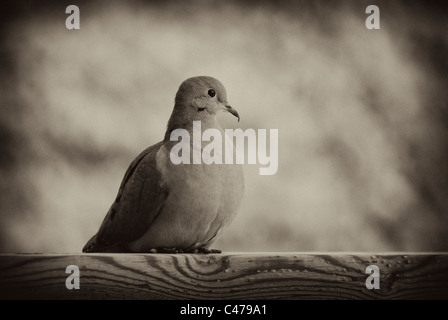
point(225, 276)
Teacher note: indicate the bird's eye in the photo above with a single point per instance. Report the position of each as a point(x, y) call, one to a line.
point(211, 93)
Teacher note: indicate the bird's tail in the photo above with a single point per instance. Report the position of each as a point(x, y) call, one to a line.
point(96, 245)
point(90, 245)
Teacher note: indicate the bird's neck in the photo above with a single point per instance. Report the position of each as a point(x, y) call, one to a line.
point(181, 119)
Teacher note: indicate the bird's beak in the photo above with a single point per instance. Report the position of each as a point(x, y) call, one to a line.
point(233, 111)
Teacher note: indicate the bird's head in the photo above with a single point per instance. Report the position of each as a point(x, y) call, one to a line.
point(198, 98)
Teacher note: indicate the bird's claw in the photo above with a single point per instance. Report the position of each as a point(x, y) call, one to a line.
point(165, 250)
point(207, 250)
point(179, 250)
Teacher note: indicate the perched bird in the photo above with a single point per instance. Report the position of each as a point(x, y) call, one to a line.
point(167, 207)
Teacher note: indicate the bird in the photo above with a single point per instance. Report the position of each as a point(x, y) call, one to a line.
point(162, 207)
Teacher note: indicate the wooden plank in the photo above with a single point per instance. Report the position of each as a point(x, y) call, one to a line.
point(225, 276)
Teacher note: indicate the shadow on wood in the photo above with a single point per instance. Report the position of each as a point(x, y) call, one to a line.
point(224, 276)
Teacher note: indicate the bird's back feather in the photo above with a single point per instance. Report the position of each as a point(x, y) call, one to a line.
point(130, 216)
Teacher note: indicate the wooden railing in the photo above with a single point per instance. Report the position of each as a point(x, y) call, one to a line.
point(225, 276)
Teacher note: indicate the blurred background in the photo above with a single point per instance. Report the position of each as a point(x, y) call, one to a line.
point(362, 116)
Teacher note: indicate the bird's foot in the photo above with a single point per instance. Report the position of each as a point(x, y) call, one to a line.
point(202, 250)
point(206, 250)
point(166, 250)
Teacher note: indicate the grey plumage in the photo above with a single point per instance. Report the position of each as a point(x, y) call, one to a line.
point(165, 207)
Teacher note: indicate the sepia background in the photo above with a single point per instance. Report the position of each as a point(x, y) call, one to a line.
point(362, 116)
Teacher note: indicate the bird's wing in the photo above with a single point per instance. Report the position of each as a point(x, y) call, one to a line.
point(140, 199)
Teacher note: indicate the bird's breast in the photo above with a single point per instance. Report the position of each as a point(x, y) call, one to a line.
point(208, 186)
point(202, 199)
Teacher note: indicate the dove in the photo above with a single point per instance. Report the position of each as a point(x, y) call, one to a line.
point(162, 207)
